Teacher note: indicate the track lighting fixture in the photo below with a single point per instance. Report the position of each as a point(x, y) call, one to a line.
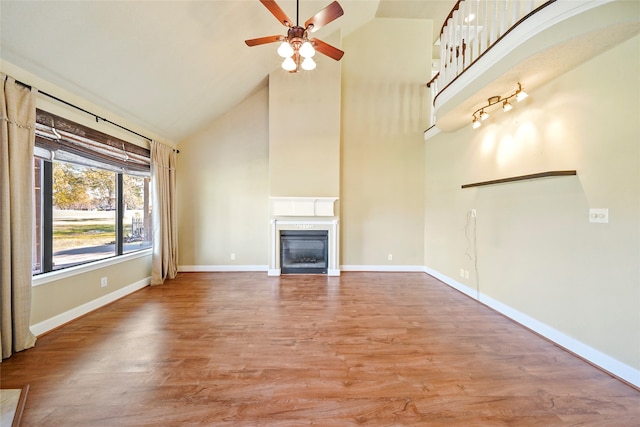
point(482, 114)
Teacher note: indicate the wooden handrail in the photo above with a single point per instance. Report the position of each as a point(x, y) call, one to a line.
point(444, 24)
point(433, 79)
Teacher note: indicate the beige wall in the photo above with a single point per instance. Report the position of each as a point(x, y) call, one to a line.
point(384, 113)
point(223, 189)
point(227, 171)
point(534, 246)
point(57, 297)
point(304, 130)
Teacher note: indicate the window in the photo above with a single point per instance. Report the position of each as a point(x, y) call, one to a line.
point(92, 196)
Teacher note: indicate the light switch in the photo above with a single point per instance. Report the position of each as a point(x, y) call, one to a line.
point(599, 215)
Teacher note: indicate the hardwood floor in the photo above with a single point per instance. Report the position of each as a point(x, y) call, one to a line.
point(376, 349)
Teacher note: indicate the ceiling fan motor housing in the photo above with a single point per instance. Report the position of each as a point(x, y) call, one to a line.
point(296, 35)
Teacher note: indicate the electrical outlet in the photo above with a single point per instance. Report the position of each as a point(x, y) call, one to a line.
point(462, 272)
point(466, 274)
point(103, 282)
point(599, 215)
point(390, 257)
point(233, 257)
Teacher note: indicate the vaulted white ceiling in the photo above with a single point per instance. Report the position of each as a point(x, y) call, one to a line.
point(169, 66)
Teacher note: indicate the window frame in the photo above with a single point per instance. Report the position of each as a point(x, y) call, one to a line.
point(48, 125)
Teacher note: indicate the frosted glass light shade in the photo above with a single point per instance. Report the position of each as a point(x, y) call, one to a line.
point(285, 50)
point(521, 94)
point(308, 64)
point(289, 64)
point(306, 50)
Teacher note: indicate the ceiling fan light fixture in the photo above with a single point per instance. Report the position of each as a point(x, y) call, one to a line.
point(307, 50)
point(285, 50)
point(295, 47)
point(289, 64)
point(308, 64)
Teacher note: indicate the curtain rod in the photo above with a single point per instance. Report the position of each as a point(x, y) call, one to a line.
point(98, 118)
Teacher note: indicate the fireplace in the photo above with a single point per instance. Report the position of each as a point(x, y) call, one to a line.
point(323, 234)
point(304, 251)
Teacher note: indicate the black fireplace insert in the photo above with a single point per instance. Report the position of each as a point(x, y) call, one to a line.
point(304, 251)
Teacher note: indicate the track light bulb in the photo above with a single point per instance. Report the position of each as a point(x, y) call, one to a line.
point(506, 106)
point(289, 64)
point(285, 50)
point(520, 93)
point(475, 123)
point(484, 115)
point(307, 50)
point(308, 64)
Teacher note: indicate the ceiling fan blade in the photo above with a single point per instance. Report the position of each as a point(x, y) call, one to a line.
point(277, 12)
point(326, 15)
point(263, 40)
point(327, 49)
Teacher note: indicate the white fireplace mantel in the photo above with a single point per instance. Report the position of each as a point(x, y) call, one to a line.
point(303, 206)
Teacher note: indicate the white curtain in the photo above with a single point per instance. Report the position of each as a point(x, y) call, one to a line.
point(17, 138)
point(164, 261)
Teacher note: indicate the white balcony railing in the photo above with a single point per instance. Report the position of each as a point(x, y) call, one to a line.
point(472, 28)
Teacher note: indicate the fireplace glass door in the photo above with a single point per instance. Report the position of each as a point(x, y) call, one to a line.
point(304, 251)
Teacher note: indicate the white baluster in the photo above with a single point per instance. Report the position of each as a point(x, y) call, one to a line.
point(475, 50)
point(451, 50)
point(459, 38)
point(466, 36)
point(434, 92)
point(484, 21)
point(493, 22)
point(528, 6)
point(503, 16)
point(515, 8)
point(443, 53)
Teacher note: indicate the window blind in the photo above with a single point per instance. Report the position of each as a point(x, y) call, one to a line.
point(60, 139)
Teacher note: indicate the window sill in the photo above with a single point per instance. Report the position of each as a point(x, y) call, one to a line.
point(52, 276)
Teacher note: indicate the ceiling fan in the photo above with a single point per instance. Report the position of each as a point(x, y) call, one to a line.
point(296, 47)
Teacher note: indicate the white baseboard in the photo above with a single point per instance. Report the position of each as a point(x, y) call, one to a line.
point(81, 310)
point(602, 360)
point(222, 268)
point(384, 268)
point(274, 272)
